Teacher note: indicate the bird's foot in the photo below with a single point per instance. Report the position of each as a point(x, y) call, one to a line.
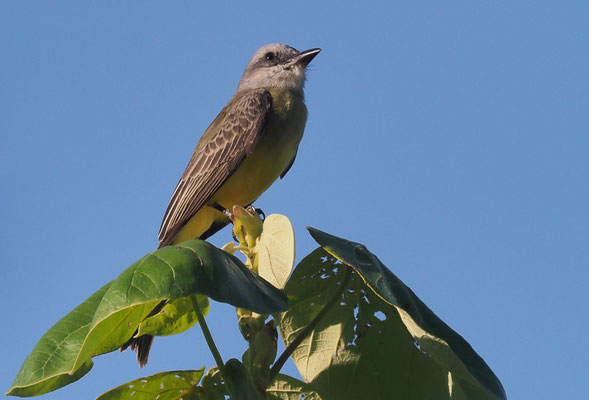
point(253, 209)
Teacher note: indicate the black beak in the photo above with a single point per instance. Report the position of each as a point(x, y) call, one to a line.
point(305, 57)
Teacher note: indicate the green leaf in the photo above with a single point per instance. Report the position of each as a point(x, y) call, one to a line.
point(57, 349)
point(261, 354)
point(177, 316)
point(276, 250)
point(433, 336)
point(107, 320)
point(169, 385)
point(213, 385)
point(288, 388)
point(239, 381)
point(362, 348)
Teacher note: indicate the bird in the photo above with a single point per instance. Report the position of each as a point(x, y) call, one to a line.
point(250, 144)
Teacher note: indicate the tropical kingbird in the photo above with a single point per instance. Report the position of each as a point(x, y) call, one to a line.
point(252, 142)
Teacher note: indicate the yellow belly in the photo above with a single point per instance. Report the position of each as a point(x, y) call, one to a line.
point(271, 156)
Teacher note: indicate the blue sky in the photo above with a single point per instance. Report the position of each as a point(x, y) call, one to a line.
point(449, 137)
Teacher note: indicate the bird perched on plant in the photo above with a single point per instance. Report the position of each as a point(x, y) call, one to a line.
point(252, 142)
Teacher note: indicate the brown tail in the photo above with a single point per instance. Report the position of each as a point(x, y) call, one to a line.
point(142, 344)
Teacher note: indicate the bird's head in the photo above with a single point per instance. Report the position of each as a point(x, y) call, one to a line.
point(277, 66)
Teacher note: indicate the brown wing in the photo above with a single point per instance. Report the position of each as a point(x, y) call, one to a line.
point(224, 145)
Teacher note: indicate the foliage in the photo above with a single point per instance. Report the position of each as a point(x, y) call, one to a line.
point(353, 329)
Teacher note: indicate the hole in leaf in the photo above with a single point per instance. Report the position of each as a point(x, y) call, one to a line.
point(418, 346)
point(380, 315)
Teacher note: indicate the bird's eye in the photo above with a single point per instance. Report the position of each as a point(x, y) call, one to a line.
point(269, 56)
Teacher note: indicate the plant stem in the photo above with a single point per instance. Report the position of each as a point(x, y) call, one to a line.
point(207, 334)
point(307, 329)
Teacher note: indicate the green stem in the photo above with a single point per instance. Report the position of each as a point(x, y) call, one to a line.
point(208, 336)
point(305, 332)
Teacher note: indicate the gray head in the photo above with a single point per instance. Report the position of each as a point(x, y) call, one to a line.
point(277, 66)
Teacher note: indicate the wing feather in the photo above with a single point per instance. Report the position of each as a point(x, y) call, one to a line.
point(227, 141)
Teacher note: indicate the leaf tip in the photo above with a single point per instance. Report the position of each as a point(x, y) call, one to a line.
point(313, 231)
